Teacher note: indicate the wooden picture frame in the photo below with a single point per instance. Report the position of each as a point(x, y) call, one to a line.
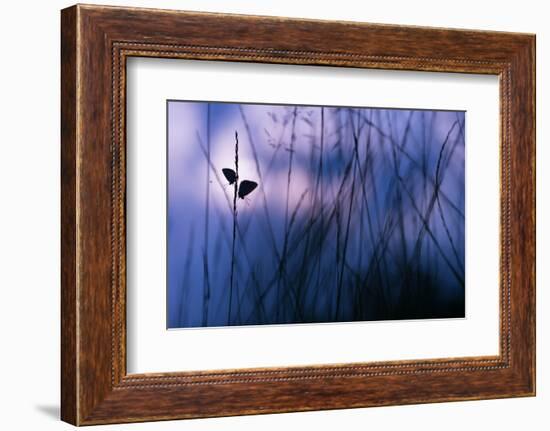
point(95, 43)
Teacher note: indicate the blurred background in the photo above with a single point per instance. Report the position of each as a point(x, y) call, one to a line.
point(358, 214)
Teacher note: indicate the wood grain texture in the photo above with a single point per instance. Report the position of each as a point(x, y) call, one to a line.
point(96, 41)
point(69, 367)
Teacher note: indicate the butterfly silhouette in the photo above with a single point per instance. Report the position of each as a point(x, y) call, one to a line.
point(246, 187)
point(230, 175)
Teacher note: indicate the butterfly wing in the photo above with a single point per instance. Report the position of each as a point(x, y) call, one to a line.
point(230, 175)
point(246, 188)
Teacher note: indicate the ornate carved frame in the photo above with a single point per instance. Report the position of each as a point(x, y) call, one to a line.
point(95, 42)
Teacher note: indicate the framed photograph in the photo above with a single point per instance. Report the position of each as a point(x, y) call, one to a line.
point(264, 215)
